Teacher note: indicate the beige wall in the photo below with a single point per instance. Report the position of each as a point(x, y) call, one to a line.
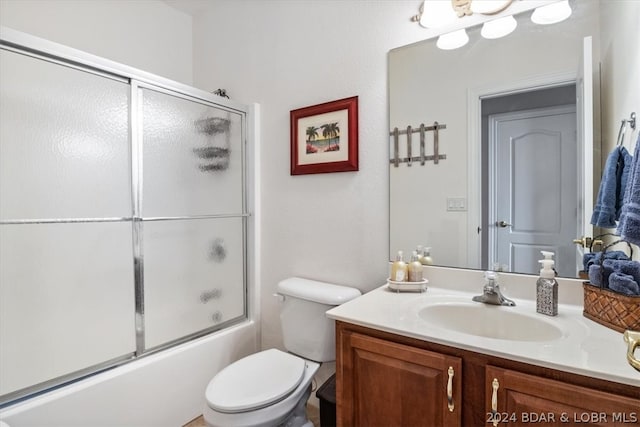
point(146, 34)
point(620, 81)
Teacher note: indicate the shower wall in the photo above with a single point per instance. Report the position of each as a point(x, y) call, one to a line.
point(124, 223)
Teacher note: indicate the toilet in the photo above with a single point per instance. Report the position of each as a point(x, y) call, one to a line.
point(270, 388)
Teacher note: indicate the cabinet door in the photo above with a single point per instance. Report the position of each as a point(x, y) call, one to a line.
point(515, 399)
point(381, 383)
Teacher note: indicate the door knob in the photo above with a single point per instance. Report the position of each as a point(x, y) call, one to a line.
point(583, 241)
point(503, 224)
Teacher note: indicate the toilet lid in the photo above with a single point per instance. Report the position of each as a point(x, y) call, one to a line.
point(255, 381)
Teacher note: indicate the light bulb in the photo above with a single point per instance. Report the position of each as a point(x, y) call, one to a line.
point(436, 13)
point(498, 27)
point(551, 13)
point(453, 40)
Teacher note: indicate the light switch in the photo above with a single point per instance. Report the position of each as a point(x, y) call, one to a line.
point(456, 204)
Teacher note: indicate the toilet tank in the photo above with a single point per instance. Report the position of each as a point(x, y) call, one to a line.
point(306, 329)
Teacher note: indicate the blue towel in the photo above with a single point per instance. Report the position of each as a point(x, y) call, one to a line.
point(623, 284)
point(621, 276)
point(623, 266)
point(612, 188)
point(629, 227)
point(595, 276)
point(591, 258)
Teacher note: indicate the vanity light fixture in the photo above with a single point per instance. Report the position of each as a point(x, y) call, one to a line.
point(434, 14)
point(440, 13)
point(498, 27)
point(551, 13)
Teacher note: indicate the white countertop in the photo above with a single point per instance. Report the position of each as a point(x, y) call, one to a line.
point(585, 347)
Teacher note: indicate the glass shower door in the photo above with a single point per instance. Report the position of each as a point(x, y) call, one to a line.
point(66, 270)
point(192, 216)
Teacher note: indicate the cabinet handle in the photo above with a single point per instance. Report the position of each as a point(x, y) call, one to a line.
point(494, 401)
point(450, 389)
point(632, 338)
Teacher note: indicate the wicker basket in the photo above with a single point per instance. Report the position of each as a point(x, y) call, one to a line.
point(611, 309)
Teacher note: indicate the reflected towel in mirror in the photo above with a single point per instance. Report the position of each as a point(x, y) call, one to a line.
point(629, 227)
point(612, 188)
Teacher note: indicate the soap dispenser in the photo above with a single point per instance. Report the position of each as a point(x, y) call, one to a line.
point(425, 257)
point(399, 269)
point(547, 287)
point(415, 268)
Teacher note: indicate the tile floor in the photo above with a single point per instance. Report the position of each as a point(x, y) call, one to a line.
point(196, 422)
point(312, 412)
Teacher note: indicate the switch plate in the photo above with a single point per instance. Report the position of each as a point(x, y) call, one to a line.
point(456, 204)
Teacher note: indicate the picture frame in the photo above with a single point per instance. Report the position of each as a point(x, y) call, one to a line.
point(324, 137)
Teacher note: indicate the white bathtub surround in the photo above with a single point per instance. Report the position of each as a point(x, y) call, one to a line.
point(165, 389)
point(581, 346)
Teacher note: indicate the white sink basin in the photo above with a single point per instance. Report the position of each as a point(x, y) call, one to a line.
point(489, 321)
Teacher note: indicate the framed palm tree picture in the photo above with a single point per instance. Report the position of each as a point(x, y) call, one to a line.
point(324, 137)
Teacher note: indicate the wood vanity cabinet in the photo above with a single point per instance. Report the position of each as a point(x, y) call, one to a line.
point(384, 379)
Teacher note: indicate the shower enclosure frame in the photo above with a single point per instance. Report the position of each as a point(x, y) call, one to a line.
point(25, 44)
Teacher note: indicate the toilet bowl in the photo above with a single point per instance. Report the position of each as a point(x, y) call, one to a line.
point(265, 389)
point(271, 388)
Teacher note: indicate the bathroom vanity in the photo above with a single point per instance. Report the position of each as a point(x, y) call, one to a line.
point(438, 358)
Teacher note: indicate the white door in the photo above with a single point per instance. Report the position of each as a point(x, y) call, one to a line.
point(532, 188)
point(584, 112)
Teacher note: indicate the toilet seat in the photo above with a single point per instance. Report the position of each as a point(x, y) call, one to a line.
point(255, 381)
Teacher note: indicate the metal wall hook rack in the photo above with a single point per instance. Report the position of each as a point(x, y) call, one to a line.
point(422, 158)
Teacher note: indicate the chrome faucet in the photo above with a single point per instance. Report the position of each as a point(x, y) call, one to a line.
point(491, 292)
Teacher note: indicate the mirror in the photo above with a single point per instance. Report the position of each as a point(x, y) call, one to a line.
point(475, 93)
